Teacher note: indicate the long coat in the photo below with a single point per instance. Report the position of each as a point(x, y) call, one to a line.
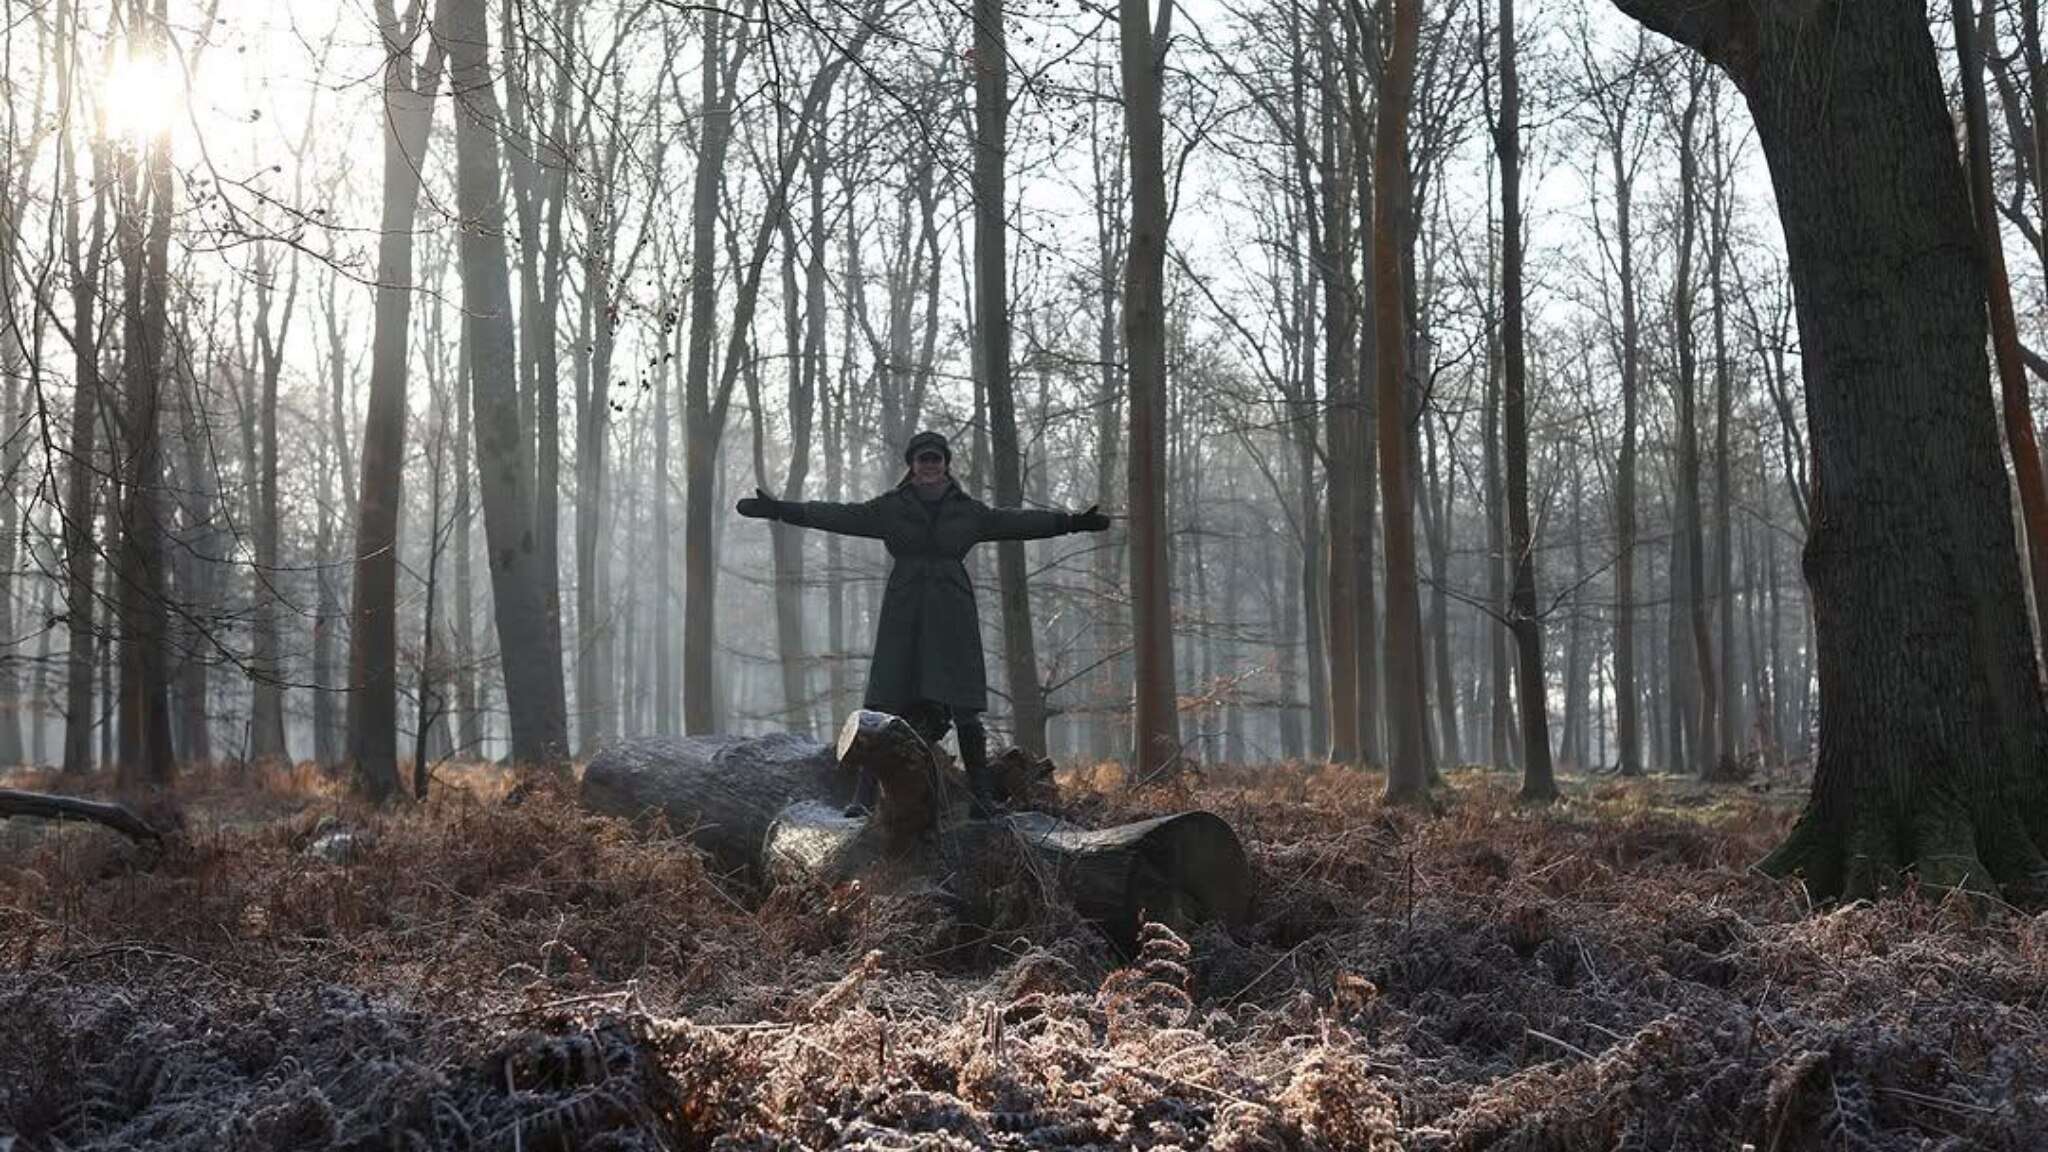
point(928, 639)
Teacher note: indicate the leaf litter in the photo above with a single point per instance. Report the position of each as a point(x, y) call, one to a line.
point(1603, 974)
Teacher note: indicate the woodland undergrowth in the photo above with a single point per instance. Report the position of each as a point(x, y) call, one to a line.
point(291, 972)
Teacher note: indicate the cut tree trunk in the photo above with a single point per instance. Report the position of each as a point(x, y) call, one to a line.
point(773, 809)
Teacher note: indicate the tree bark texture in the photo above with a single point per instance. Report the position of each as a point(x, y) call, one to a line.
point(1935, 730)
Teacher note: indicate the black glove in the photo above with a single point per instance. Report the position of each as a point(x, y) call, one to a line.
point(1093, 520)
point(760, 506)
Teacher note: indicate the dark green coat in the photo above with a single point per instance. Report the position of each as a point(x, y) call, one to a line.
point(928, 639)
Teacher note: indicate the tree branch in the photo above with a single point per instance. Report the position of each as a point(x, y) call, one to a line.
point(1723, 31)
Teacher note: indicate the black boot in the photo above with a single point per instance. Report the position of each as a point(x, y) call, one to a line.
point(981, 781)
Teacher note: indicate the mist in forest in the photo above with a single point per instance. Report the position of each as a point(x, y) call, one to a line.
point(378, 381)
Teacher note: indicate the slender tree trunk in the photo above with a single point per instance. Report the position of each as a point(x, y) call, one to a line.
point(330, 543)
point(199, 581)
point(373, 636)
point(1571, 743)
point(266, 706)
point(1628, 725)
point(832, 402)
point(83, 255)
point(470, 723)
point(38, 729)
point(667, 692)
point(1111, 688)
point(528, 647)
point(2005, 343)
point(1718, 209)
point(146, 753)
point(1367, 415)
point(1408, 767)
point(1537, 781)
point(1442, 499)
point(992, 326)
point(1500, 710)
point(1690, 539)
point(1344, 423)
point(597, 701)
point(703, 421)
point(1156, 735)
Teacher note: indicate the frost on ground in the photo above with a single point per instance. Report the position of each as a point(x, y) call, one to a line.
point(476, 975)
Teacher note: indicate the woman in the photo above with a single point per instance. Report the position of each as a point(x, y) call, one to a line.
point(927, 666)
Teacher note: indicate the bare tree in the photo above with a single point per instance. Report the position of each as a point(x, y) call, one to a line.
point(1537, 781)
point(532, 658)
point(2005, 341)
point(409, 91)
point(1916, 769)
point(1408, 764)
point(1156, 724)
point(84, 249)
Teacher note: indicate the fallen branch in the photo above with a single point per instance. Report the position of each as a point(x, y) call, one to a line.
point(46, 806)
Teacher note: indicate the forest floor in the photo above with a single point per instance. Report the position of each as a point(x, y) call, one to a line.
point(1602, 974)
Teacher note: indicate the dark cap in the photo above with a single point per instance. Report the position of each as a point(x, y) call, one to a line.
point(924, 442)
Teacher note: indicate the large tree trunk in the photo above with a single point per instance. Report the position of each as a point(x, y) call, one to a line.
point(1156, 730)
point(373, 634)
point(527, 644)
point(1931, 757)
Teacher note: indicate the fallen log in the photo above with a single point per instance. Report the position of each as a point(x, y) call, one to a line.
point(780, 809)
point(48, 806)
point(725, 792)
point(1182, 869)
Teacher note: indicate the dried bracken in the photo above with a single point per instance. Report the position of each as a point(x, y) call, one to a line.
point(470, 975)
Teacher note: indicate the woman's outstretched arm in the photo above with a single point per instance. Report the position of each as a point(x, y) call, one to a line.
point(1034, 524)
point(863, 519)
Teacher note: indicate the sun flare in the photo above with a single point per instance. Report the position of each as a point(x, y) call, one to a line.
point(141, 96)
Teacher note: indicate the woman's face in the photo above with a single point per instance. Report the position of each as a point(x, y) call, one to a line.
point(928, 467)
